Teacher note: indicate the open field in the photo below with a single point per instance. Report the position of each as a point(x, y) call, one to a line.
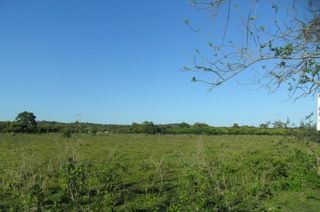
point(145, 172)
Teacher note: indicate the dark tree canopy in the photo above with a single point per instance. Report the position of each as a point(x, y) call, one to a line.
point(26, 122)
point(278, 40)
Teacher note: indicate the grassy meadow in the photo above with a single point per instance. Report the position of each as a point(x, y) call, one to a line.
point(158, 172)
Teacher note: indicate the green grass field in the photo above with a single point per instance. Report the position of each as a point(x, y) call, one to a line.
point(168, 173)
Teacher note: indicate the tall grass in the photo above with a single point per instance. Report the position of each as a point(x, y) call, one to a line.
point(168, 173)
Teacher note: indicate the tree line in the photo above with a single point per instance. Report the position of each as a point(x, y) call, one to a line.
point(25, 122)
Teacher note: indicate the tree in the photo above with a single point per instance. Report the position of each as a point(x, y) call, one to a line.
point(146, 127)
point(4, 126)
point(198, 124)
point(279, 124)
point(184, 125)
point(25, 122)
point(282, 44)
point(235, 125)
point(265, 125)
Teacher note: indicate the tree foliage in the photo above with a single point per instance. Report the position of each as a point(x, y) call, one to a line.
point(25, 122)
point(280, 40)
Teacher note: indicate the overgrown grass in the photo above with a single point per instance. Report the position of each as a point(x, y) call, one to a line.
point(174, 173)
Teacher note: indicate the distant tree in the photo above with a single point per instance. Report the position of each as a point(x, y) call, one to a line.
point(279, 124)
point(94, 130)
point(4, 126)
point(264, 126)
point(25, 122)
point(198, 124)
point(149, 128)
point(279, 40)
point(184, 124)
point(288, 123)
point(146, 127)
point(235, 125)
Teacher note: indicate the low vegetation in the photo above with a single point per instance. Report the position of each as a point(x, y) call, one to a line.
point(26, 123)
point(83, 172)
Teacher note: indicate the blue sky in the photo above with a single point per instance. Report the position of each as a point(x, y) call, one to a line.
point(118, 62)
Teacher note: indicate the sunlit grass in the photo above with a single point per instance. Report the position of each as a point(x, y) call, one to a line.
point(144, 172)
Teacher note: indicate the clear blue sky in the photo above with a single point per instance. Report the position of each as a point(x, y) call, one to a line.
point(118, 62)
